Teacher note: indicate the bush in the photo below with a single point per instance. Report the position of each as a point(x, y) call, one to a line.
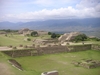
point(49, 33)
point(34, 33)
point(10, 46)
point(53, 35)
point(95, 39)
point(20, 45)
point(81, 37)
point(28, 39)
point(14, 47)
point(25, 46)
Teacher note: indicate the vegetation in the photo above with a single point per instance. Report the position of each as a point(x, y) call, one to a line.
point(18, 39)
point(9, 30)
point(81, 37)
point(35, 65)
point(62, 62)
point(28, 39)
point(49, 33)
point(34, 33)
point(94, 39)
point(54, 35)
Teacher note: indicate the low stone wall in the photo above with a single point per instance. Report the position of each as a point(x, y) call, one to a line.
point(21, 53)
point(51, 50)
point(47, 50)
point(95, 47)
point(15, 64)
point(79, 47)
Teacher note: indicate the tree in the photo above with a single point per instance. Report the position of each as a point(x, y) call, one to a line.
point(58, 35)
point(34, 33)
point(8, 30)
point(81, 37)
point(53, 35)
point(49, 33)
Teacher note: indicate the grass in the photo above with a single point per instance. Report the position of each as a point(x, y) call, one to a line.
point(86, 42)
point(17, 40)
point(35, 65)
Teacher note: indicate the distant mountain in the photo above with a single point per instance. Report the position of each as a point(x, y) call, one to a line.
point(89, 24)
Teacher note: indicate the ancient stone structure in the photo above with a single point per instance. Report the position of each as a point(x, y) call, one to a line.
point(42, 32)
point(95, 47)
point(15, 64)
point(46, 50)
point(88, 63)
point(24, 30)
point(68, 36)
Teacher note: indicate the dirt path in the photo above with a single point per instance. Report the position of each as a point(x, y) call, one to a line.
point(5, 70)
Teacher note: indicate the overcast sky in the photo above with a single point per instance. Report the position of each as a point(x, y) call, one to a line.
point(31, 10)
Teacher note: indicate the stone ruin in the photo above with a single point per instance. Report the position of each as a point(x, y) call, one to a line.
point(15, 64)
point(88, 63)
point(50, 73)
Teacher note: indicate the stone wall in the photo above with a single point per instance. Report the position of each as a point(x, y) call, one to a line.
point(21, 53)
point(47, 50)
point(52, 49)
point(79, 48)
point(95, 47)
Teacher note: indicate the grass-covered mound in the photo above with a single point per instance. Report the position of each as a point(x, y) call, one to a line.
point(89, 63)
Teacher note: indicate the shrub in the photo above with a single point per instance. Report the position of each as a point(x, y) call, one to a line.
point(10, 46)
point(28, 39)
point(33, 45)
point(25, 46)
point(81, 37)
point(49, 33)
point(34, 33)
point(53, 35)
point(14, 47)
point(20, 45)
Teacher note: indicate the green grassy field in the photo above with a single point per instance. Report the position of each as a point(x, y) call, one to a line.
point(35, 65)
point(17, 40)
point(62, 62)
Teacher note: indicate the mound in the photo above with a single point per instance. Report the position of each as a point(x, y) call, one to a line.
point(88, 63)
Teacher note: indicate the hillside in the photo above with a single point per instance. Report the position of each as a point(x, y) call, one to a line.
point(57, 25)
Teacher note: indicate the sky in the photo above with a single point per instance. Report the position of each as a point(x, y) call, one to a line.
point(33, 10)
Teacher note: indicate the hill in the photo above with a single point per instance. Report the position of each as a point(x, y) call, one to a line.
point(89, 24)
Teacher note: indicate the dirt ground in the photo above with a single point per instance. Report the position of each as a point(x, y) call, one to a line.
point(4, 69)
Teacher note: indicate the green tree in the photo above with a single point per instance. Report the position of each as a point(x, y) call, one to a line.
point(8, 30)
point(81, 37)
point(58, 35)
point(53, 35)
point(34, 33)
point(49, 33)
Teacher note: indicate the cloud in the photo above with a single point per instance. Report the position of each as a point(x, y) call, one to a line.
point(83, 9)
point(61, 13)
point(88, 3)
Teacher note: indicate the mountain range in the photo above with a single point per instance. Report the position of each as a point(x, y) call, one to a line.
point(87, 24)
